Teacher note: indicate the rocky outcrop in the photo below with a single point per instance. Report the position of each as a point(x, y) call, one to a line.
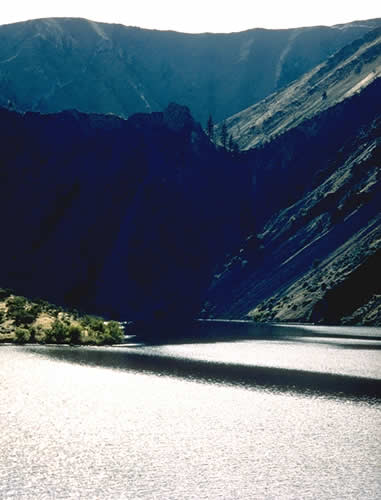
point(119, 217)
point(358, 290)
point(49, 65)
point(317, 200)
point(316, 187)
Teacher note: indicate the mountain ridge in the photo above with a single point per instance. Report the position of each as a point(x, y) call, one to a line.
point(50, 65)
point(343, 74)
point(130, 217)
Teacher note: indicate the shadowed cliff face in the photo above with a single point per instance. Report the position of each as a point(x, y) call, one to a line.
point(317, 202)
point(316, 195)
point(120, 217)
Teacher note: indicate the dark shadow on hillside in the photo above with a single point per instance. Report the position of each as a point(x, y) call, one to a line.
point(138, 360)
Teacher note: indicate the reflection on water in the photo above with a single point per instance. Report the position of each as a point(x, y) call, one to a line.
point(256, 364)
point(126, 423)
point(352, 331)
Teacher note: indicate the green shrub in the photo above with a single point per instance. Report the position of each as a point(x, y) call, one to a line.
point(58, 333)
point(20, 311)
point(115, 332)
point(75, 335)
point(35, 310)
point(48, 337)
point(22, 336)
point(92, 338)
point(39, 334)
point(94, 323)
point(15, 304)
point(46, 307)
point(110, 333)
point(32, 333)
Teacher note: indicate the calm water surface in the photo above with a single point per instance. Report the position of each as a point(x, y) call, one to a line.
point(107, 423)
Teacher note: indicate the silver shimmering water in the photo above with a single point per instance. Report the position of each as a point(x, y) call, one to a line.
point(81, 426)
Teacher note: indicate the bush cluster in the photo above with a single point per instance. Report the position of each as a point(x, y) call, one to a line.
point(67, 328)
point(91, 331)
point(100, 332)
point(21, 311)
point(22, 335)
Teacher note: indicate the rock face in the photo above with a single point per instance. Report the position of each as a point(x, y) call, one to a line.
point(317, 198)
point(51, 65)
point(119, 217)
point(342, 75)
point(132, 217)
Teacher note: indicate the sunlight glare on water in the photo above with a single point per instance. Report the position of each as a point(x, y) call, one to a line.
point(323, 355)
point(73, 430)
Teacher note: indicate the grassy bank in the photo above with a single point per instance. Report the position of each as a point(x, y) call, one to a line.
point(37, 321)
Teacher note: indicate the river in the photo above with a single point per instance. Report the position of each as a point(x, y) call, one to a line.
point(288, 417)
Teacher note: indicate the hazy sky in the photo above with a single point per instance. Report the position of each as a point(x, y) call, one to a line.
point(195, 16)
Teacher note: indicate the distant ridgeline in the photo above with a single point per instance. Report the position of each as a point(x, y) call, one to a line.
point(50, 65)
point(120, 217)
